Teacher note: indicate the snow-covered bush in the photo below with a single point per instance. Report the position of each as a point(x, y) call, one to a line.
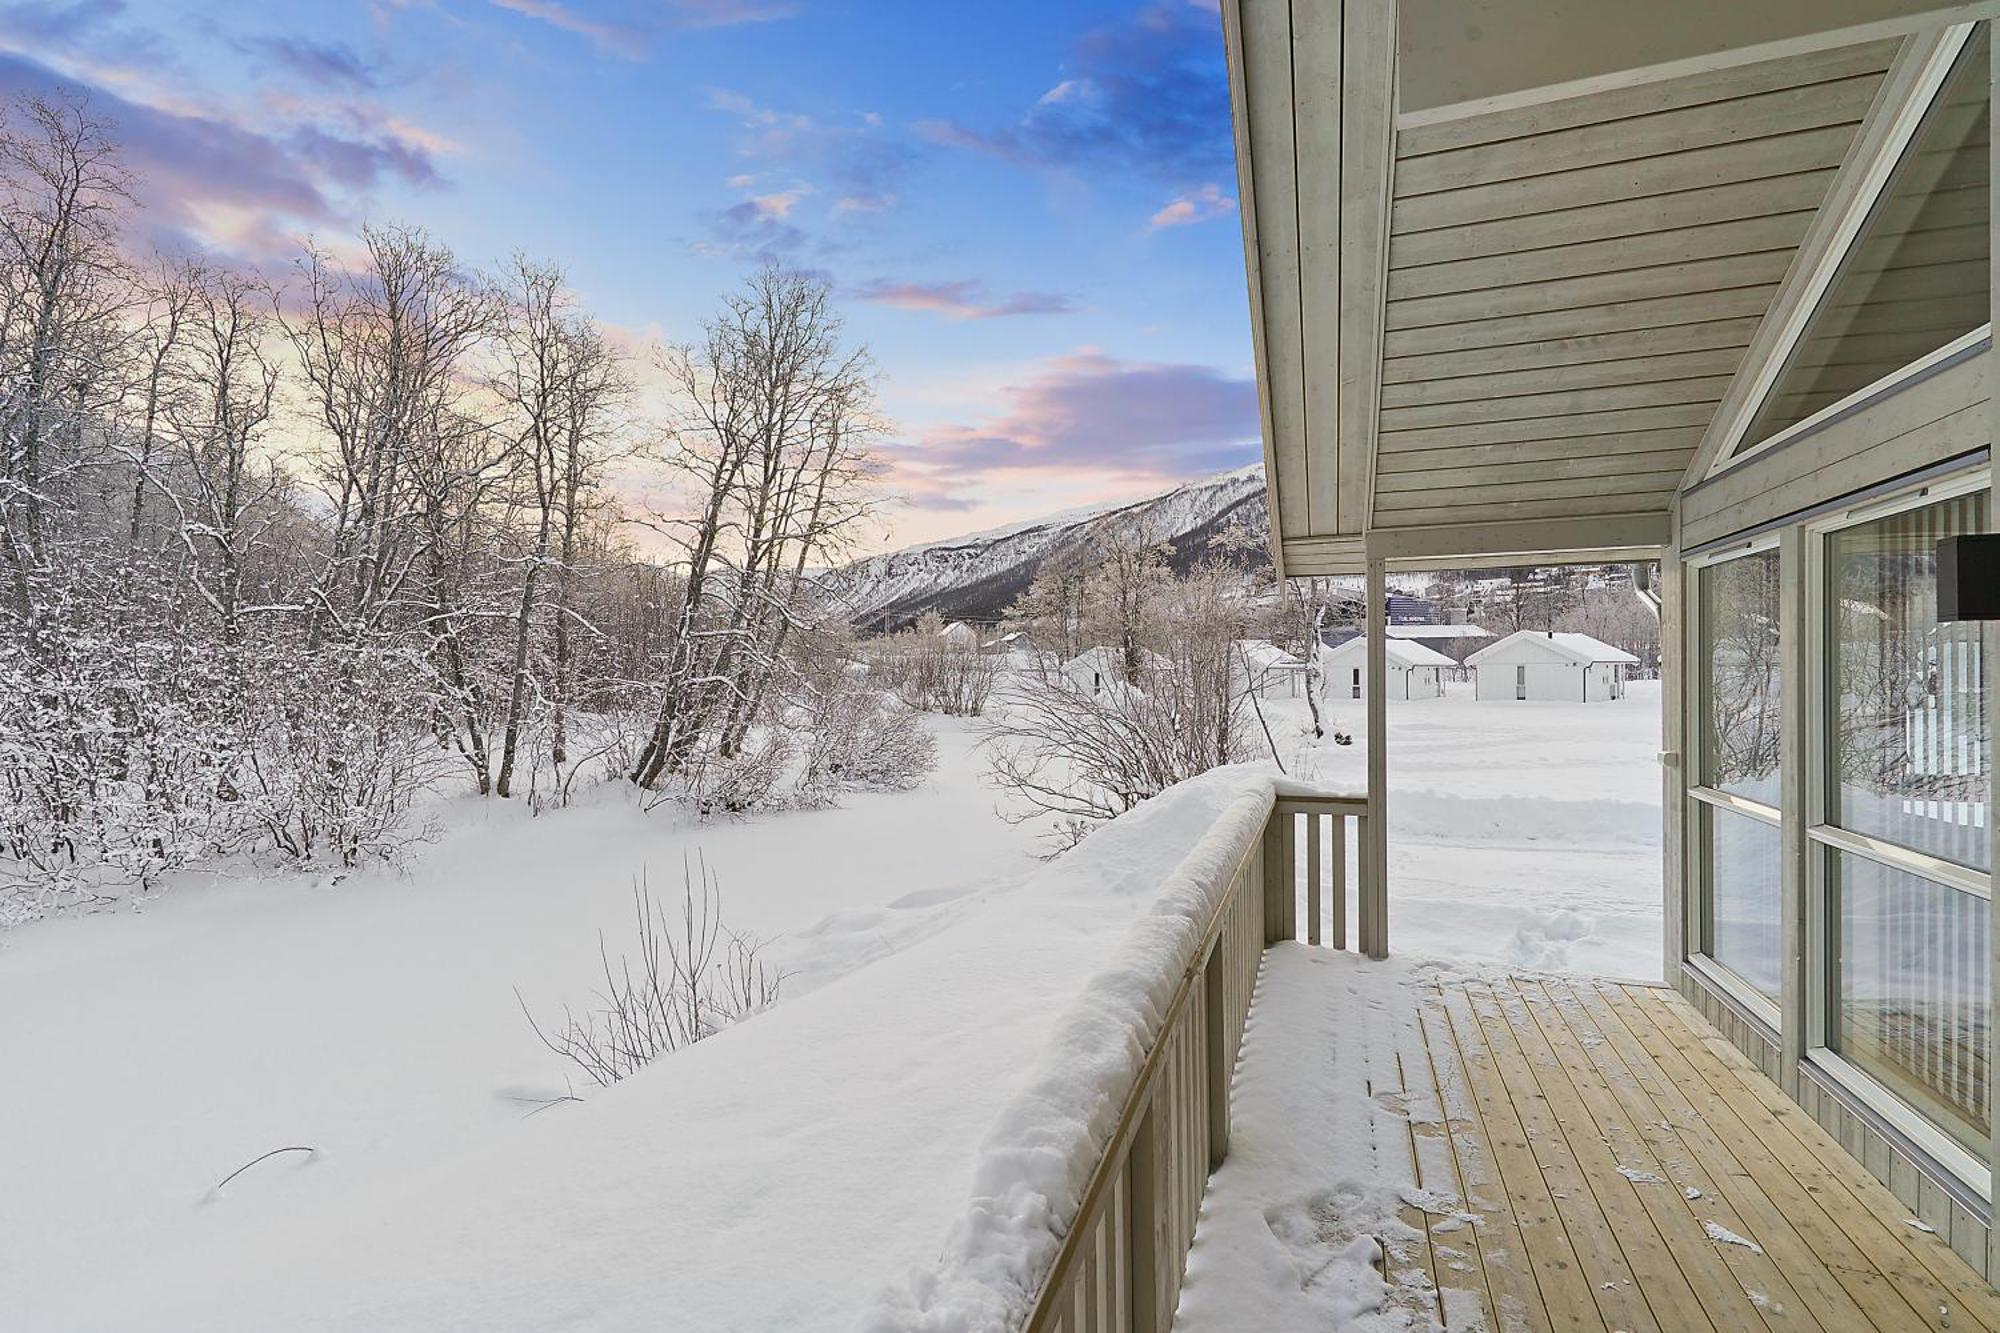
point(685, 981)
point(1079, 755)
point(934, 672)
point(337, 755)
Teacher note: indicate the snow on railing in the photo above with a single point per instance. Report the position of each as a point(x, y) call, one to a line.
point(1090, 1183)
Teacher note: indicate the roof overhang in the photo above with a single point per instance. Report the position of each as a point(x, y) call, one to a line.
point(1494, 323)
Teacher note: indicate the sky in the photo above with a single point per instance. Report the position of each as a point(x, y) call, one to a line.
point(1026, 210)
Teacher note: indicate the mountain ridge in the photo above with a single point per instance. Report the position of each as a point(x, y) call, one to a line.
point(977, 576)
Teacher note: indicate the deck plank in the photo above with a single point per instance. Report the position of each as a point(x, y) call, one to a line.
point(1698, 1262)
point(1945, 1293)
point(1644, 1289)
point(1584, 1279)
point(1457, 1266)
point(1697, 1167)
point(1591, 1155)
point(1514, 1294)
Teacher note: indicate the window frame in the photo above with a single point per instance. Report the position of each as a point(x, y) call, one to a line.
point(1699, 899)
point(1826, 841)
point(1877, 171)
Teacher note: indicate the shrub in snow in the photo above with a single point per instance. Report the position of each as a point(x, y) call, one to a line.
point(682, 984)
point(935, 672)
point(1080, 749)
point(337, 755)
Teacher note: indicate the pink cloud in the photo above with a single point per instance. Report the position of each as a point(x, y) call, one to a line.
point(1091, 421)
point(234, 182)
point(960, 300)
point(1202, 205)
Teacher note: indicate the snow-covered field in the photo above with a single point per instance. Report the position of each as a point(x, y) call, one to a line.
point(775, 1177)
point(1520, 834)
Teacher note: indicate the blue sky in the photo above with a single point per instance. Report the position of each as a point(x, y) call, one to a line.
point(1027, 208)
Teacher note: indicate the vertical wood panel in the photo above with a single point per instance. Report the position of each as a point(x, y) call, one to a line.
point(1312, 823)
point(1269, 97)
point(1316, 92)
point(1368, 59)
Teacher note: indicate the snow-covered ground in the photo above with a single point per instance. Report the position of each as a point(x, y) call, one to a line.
point(782, 1175)
point(150, 1052)
point(1521, 834)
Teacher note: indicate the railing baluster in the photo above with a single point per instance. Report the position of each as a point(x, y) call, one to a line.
point(1288, 862)
point(1338, 917)
point(1312, 876)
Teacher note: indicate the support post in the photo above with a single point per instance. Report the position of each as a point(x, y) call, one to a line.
point(1271, 857)
point(1375, 838)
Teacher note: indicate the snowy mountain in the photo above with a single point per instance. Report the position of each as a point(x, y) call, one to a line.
point(976, 577)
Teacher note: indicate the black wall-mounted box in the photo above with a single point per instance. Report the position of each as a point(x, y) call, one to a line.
point(1968, 577)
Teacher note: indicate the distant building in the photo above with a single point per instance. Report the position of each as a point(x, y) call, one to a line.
point(1414, 671)
point(958, 634)
point(1097, 671)
point(1267, 670)
point(1553, 666)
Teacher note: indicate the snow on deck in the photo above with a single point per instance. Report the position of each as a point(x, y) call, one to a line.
point(1413, 1146)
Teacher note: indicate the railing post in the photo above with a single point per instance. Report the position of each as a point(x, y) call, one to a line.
point(1288, 872)
point(1274, 911)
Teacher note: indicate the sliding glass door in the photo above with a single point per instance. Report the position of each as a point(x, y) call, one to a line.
point(1898, 813)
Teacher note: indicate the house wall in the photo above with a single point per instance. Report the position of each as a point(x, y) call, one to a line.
point(1943, 416)
point(1549, 682)
point(1930, 429)
point(1346, 685)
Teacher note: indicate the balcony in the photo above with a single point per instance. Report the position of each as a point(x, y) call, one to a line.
point(1315, 1133)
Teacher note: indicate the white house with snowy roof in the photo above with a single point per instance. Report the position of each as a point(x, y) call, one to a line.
point(1553, 665)
point(1101, 670)
point(1415, 670)
point(1267, 670)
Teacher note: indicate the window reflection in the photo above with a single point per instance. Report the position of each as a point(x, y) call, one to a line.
point(1915, 991)
point(1739, 644)
point(1909, 697)
point(1920, 274)
point(1744, 930)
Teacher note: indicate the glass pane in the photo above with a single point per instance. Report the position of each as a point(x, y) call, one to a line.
point(1909, 695)
point(1739, 652)
point(1914, 998)
point(1919, 274)
point(1742, 860)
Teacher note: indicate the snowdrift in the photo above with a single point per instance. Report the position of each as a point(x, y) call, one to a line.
point(796, 1172)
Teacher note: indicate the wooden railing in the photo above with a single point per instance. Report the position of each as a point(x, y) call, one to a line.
point(1310, 834)
point(1120, 1266)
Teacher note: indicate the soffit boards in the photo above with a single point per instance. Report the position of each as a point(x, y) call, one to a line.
point(1572, 286)
point(1567, 289)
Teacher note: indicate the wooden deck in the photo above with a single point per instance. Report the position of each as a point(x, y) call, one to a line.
point(1629, 1170)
